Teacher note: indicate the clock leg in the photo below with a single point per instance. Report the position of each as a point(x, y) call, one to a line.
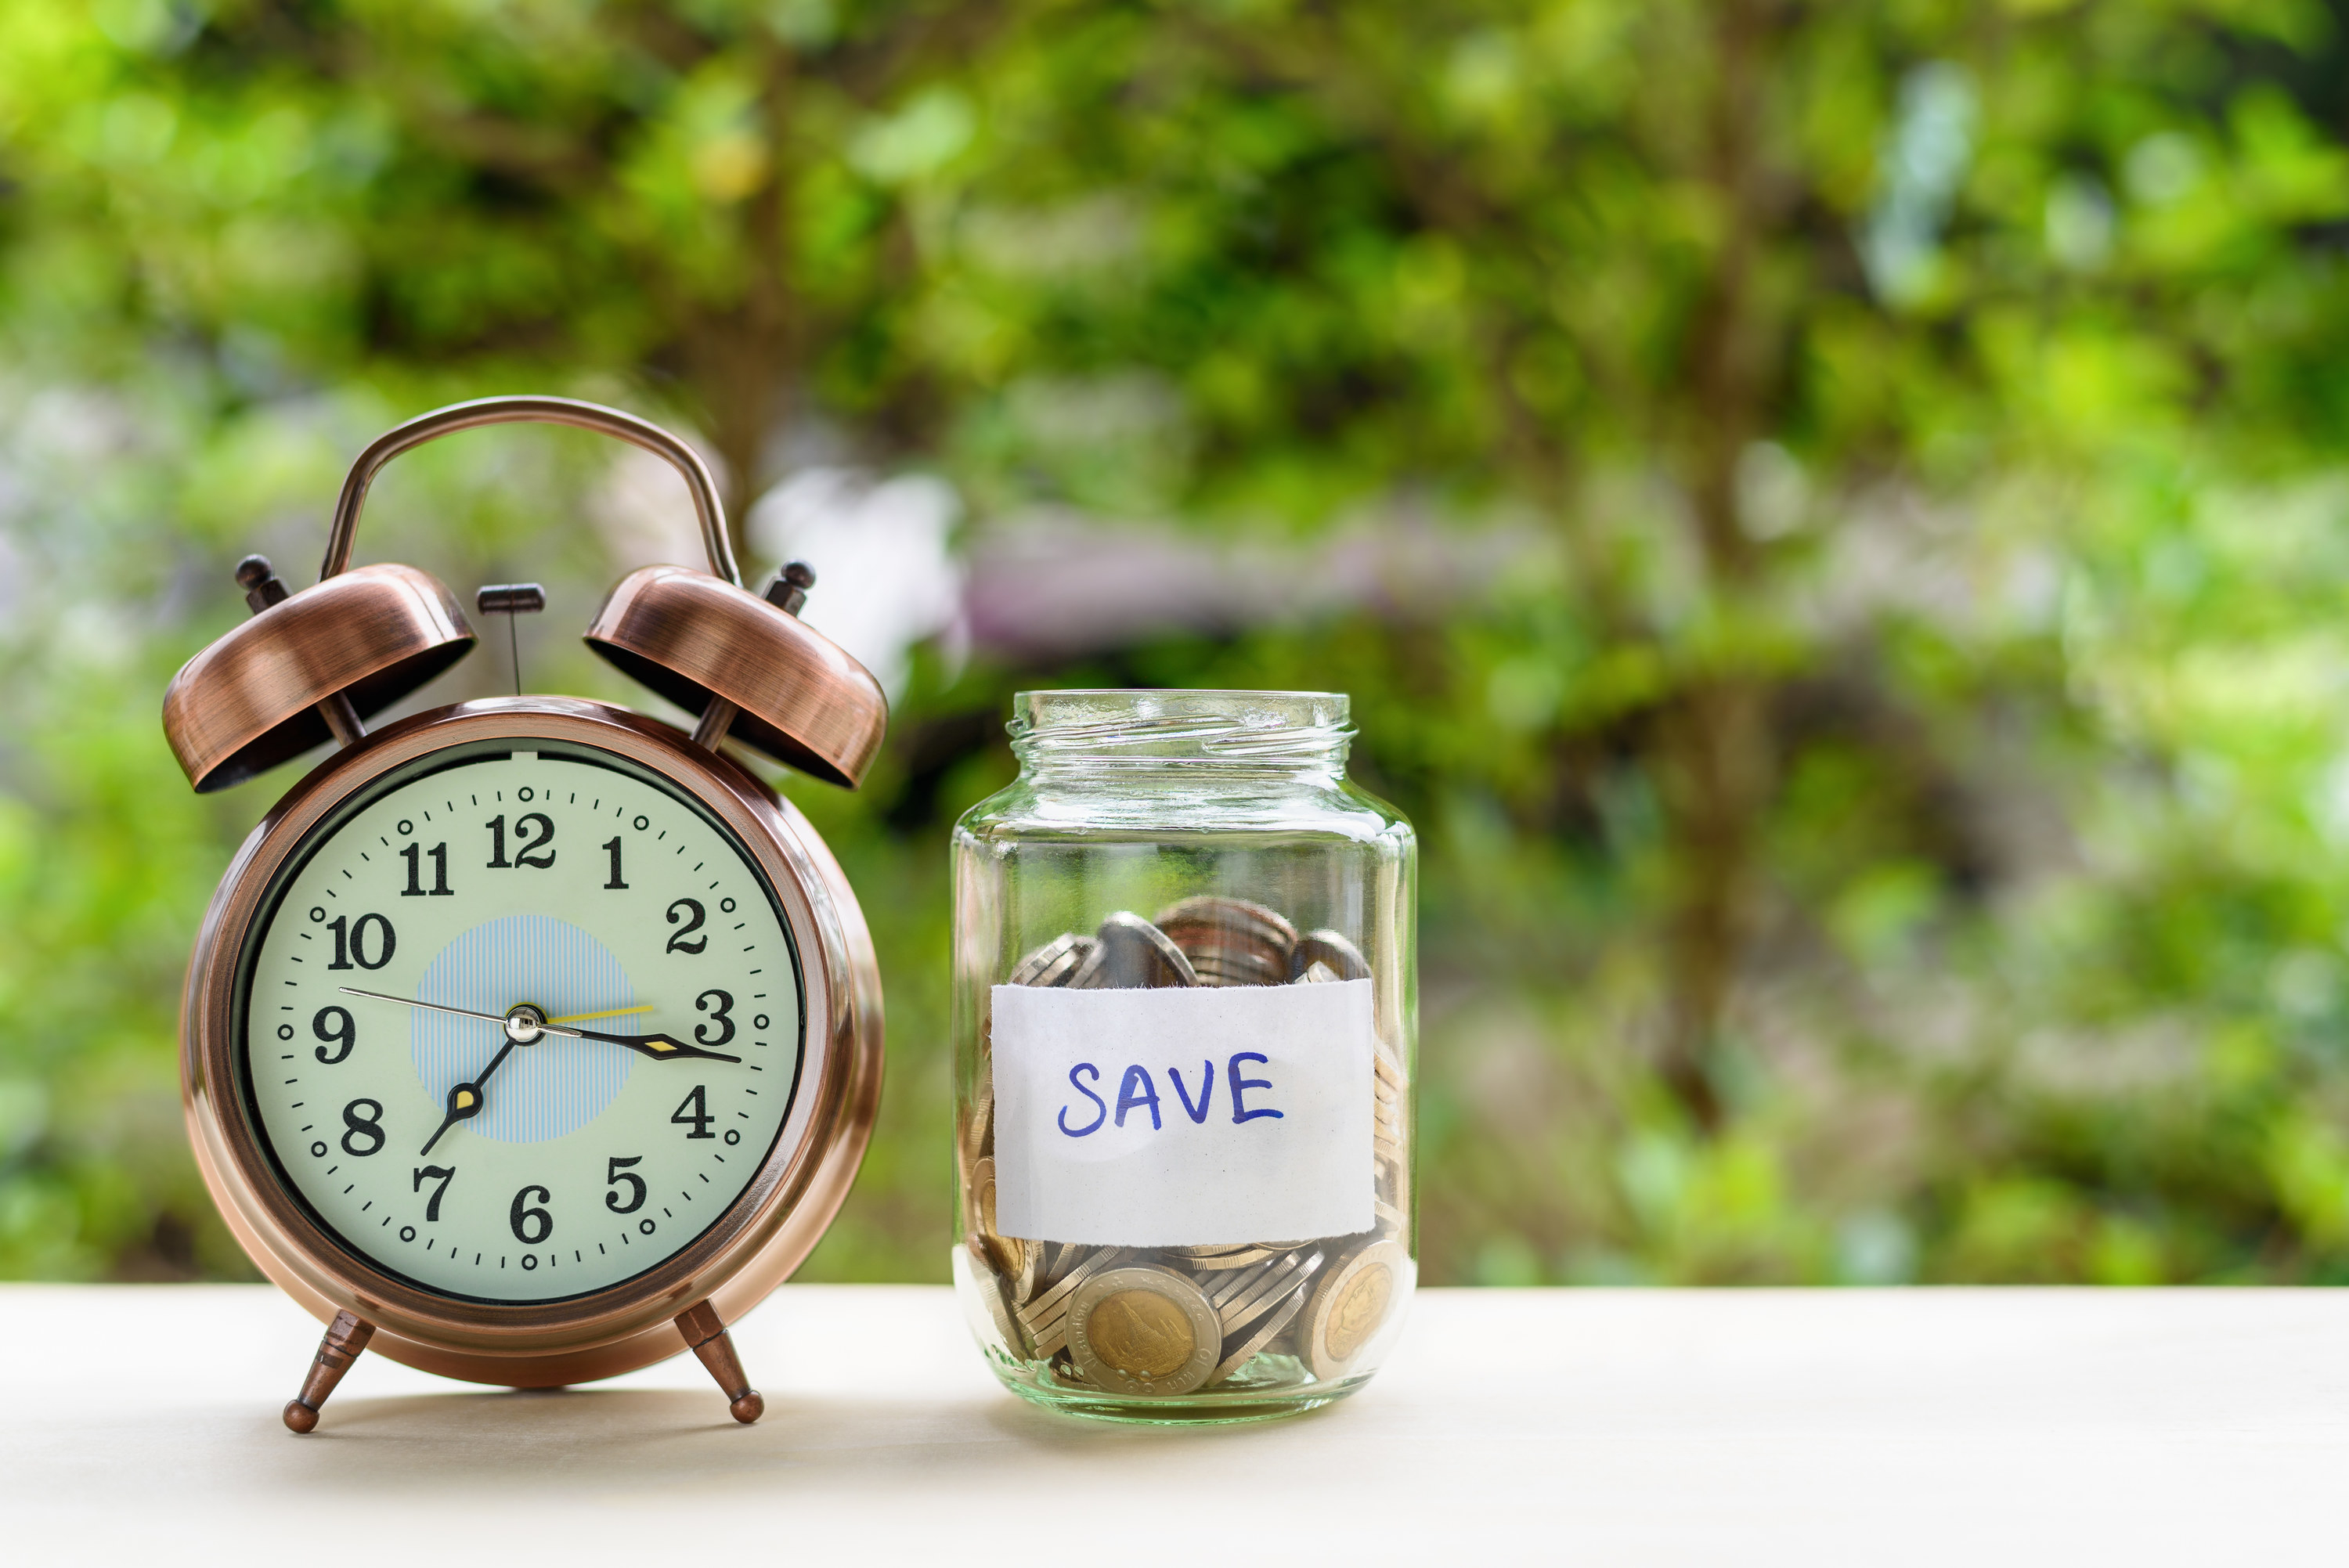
point(346, 1336)
point(709, 1339)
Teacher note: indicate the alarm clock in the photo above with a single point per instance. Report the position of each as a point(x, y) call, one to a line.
point(532, 1040)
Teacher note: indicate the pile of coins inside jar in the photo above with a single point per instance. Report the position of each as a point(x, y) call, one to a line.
point(1179, 1320)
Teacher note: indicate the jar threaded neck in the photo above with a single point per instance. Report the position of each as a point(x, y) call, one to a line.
point(1089, 729)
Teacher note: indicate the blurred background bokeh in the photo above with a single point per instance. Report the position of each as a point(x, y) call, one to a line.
point(1834, 518)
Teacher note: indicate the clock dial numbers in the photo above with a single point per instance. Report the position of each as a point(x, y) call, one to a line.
point(352, 941)
point(531, 1225)
point(617, 1175)
point(414, 854)
point(363, 1128)
point(695, 1113)
point(442, 1175)
point(512, 1023)
point(689, 916)
point(337, 1028)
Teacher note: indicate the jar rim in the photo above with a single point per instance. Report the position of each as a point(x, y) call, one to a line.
point(1109, 724)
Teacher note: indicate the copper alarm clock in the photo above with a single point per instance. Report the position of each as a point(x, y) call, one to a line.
point(528, 1041)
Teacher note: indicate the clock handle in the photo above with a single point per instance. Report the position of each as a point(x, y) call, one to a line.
point(511, 410)
point(346, 1336)
point(706, 1336)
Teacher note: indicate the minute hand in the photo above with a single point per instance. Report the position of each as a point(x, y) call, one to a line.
point(661, 1047)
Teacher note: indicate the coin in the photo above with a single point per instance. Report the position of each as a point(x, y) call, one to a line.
point(1143, 1330)
point(1169, 1320)
point(1351, 1305)
point(1238, 1259)
point(998, 1310)
point(1284, 1274)
point(1331, 948)
point(1223, 1287)
point(1055, 1298)
point(978, 1130)
point(1215, 910)
point(979, 1198)
point(1229, 941)
point(1130, 953)
point(1024, 1281)
point(1053, 963)
point(1239, 1350)
point(1002, 1253)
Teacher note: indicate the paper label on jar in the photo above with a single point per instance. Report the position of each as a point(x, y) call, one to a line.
point(1182, 1116)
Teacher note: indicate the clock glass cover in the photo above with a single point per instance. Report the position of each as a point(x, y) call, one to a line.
point(614, 1039)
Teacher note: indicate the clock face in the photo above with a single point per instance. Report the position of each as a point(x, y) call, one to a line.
point(496, 1157)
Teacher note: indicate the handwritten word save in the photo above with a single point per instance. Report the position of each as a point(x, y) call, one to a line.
point(1137, 1090)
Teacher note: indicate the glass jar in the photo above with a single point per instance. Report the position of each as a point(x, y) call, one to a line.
point(1185, 1019)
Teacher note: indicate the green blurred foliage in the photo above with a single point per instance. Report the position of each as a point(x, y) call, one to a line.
point(1880, 815)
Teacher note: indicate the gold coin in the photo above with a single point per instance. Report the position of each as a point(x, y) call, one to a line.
point(1143, 1330)
point(1141, 1333)
point(990, 1290)
point(1355, 1312)
point(979, 1198)
point(1002, 1253)
point(978, 1130)
point(1027, 1277)
point(1352, 1303)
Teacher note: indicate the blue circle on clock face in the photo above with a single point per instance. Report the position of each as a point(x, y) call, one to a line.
point(543, 1090)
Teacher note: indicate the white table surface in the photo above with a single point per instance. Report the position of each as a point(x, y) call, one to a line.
point(1642, 1427)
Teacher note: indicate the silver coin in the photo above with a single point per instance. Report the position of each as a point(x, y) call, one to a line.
point(1130, 954)
point(1238, 1352)
point(1283, 1275)
point(1329, 948)
point(1143, 1330)
point(1053, 963)
point(1056, 1296)
point(1317, 974)
point(1222, 1261)
point(1221, 1288)
point(1229, 941)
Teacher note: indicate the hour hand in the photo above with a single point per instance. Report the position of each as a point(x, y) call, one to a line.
point(661, 1047)
point(465, 1104)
